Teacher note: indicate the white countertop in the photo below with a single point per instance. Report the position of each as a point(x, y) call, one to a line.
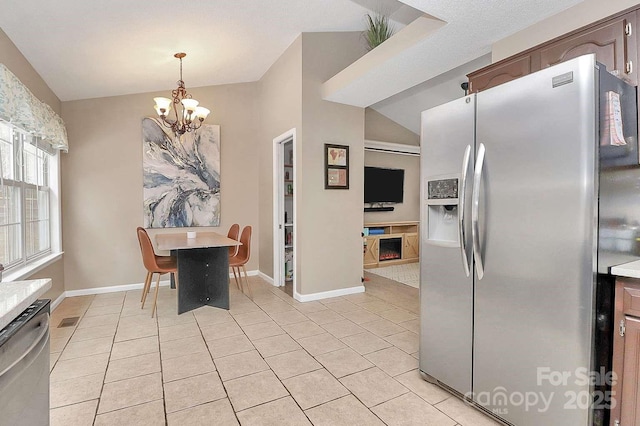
point(631, 269)
point(16, 296)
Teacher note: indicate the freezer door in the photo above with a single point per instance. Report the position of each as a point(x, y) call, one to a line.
point(446, 288)
point(536, 222)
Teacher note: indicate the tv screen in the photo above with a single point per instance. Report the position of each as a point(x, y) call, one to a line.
point(383, 185)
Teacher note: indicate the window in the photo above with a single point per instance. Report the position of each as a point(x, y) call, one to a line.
point(26, 195)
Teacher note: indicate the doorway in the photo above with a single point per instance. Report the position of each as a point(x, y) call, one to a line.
point(284, 212)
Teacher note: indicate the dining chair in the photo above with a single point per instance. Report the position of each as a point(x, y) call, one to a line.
point(155, 265)
point(233, 233)
point(242, 257)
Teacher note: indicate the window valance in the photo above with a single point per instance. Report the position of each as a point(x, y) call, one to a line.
point(21, 108)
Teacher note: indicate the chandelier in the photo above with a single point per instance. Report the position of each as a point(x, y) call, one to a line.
point(188, 116)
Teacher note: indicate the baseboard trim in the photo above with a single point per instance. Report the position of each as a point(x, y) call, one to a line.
point(128, 287)
point(265, 277)
point(327, 294)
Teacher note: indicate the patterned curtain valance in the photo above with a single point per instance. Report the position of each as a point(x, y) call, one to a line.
point(21, 108)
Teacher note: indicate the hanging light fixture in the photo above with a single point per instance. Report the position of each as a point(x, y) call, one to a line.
point(188, 115)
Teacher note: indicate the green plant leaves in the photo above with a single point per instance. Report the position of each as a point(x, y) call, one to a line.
point(378, 30)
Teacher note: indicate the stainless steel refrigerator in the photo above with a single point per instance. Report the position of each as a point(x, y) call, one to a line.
point(515, 296)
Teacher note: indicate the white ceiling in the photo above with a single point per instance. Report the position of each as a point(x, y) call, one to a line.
point(94, 48)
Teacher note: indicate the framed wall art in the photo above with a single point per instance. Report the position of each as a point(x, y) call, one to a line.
point(336, 165)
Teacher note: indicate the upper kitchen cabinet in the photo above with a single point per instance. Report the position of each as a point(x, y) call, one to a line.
point(613, 40)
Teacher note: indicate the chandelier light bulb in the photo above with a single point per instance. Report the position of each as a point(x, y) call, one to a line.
point(201, 113)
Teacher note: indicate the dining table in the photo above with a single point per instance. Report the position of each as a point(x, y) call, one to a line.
point(203, 267)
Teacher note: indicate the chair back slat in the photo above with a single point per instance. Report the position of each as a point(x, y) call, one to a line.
point(233, 233)
point(244, 251)
point(148, 255)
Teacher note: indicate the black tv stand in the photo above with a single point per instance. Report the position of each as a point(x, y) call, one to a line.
point(378, 209)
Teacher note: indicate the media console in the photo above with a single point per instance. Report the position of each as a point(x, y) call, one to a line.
point(390, 243)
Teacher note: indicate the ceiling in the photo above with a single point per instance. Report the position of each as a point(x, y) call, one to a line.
point(87, 49)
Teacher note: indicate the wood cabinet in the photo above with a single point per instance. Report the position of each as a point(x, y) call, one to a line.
point(613, 40)
point(390, 243)
point(626, 354)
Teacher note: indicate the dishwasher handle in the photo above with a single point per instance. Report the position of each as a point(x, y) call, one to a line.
point(28, 356)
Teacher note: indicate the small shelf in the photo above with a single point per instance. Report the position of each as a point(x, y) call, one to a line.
point(288, 246)
point(288, 165)
point(288, 180)
point(288, 195)
point(288, 224)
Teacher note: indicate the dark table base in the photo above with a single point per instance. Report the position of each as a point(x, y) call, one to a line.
point(203, 278)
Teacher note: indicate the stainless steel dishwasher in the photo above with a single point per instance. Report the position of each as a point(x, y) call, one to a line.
point(24, 368)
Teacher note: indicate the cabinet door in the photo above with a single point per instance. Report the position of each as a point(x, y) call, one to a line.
point(411, 246)
point(370, 256)
point(630, 399)
point(499, 73)
point(609, 41)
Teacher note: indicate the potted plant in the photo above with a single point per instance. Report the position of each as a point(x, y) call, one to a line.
point(378, 30)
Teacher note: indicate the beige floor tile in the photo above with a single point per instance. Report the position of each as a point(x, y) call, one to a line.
point(343, 328)
point(393, 361)
point(75, 390)
point(413, 325)
point(150, 413)
point(208, 315)
point(81, 414)
point(202, 415)
point(193, 391)
point(398, 315)
point(249, 318)
point(303, 329)
point(130, 392)
point(79, 367)
point(136, 331)
point(220, 331)
point(114, 299)
point(53, 359)
point(175, 319)
point(58, 345)
point(315, 388)
point(61, 333)
point(255, 389)
point(463, 413)
point(361, 316)
point(344, 362)
point(358, 298)
point(187, 366)
point(87, 348)
point(309, 307)
point(373, 386)
point(431, 393)
point(176, 348)
point(262, 330)
point(288, 317)
point(409, 409)
point(89, 322)
point(376, 306)
point(109, 296)
point(127, 368)
point(383, 328)
point(180, 331)
point(277, 307)
point(291, 364)
point(276, 345)
point(129, 348)
point(282, 412)
point(344, 411)
point(342, 306)
point(95, 311)
point(365, 343)
point(407, 341)
point(321, 344)
point(325, 317)
point(94, 333)
point(229, 345)
point(238, 365)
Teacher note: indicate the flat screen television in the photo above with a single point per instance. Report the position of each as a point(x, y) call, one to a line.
point(383, 185)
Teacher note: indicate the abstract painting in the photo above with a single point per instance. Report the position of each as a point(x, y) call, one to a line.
point(181, 176)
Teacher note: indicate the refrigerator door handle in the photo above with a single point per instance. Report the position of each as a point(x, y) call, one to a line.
point(461, 208)
point(475, 210)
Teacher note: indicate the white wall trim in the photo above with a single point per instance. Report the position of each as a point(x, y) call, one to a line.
point(391, 148)
point(129, 287)
point(265, 277)
point(327, 294)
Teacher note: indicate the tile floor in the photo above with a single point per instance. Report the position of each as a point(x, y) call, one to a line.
point(272, 361)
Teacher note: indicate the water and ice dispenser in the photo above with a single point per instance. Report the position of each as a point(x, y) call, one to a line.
point(441, 199)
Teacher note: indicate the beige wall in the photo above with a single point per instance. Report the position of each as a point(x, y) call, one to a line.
point(573, 18)
point(11, 57)
point(409, 209)
point(378, 127)
point(103, 176)
point(280, 110)
point(330, 221)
